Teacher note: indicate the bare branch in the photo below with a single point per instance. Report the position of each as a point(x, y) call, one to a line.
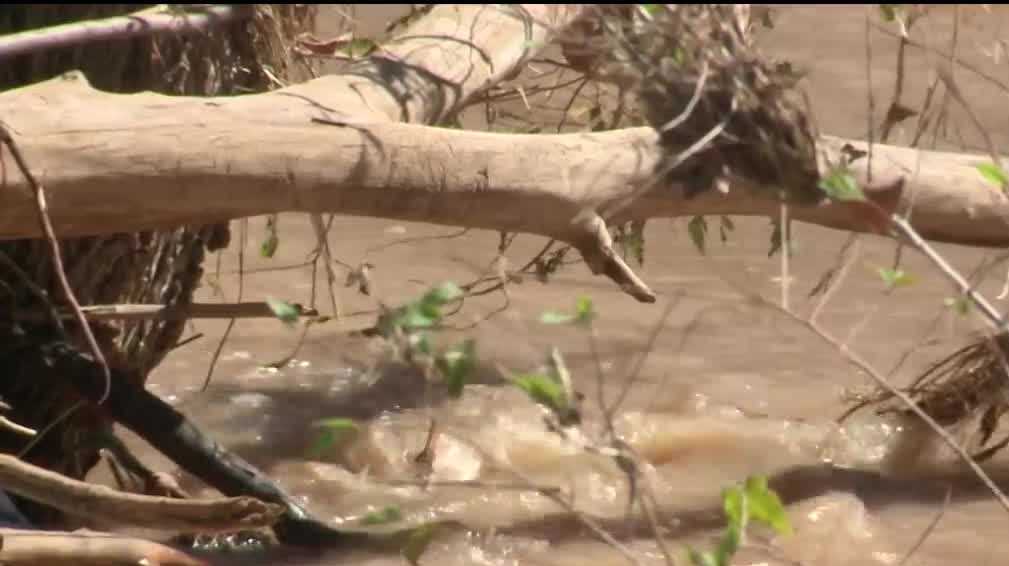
point(144, 312)
point(58, 548)
point(107, 505)
point(145, 22)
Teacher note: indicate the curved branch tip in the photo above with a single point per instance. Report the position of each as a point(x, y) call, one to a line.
point(596, 248)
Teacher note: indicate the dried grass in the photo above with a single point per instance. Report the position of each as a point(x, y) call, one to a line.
point(966, 391)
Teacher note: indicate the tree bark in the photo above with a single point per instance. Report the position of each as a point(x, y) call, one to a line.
point(119, 163)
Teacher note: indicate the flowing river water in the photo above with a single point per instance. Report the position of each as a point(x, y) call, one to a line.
point(729, 388)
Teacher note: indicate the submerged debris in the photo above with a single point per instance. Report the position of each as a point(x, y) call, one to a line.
point(967, 391)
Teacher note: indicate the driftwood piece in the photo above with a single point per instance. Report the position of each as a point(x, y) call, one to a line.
point(86, 548)
point(108, 505)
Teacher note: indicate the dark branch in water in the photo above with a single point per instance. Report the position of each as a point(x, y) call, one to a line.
point(175, 436)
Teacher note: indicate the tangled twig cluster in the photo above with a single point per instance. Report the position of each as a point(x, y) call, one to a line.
point(724, 110)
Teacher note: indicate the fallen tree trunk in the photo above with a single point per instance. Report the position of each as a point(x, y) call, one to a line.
point(141, 161)
point(133, 162)
point(119, 163)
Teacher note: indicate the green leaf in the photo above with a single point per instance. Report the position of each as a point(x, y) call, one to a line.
point(455, 365)
point(651, 9)
point(729, 545)
point(283, 310)
point(679, 56)
point(544, 390)
point(413, 316)
point(556, 317)
point(702, 558)
point(631, 237)
point(894, 278)
point(384, 516)
point(420, 343)
point(994, 174)
point(961, 305)
point(269, 245)
point(585, 311)
point(442, 294)
point(337, 424)
point(359, 47)
point(840, 185)
point(698, 229)
point(735, 506)
point(417, 543)
point(765, 506)
point(889, 11)
point(584, 314)
point(333, 431)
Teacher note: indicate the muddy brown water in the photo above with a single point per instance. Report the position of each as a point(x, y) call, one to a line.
point(728, 389)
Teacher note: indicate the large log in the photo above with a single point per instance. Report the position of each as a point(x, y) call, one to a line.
point(119, 163)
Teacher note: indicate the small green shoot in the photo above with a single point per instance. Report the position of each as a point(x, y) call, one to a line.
point(417, 542)
point(283, 310)
point(269, 246)
point(456, 364)
point(840, 185)
point(889, 11)
point(424, 312)
point(359, 47)
point(894, 278)
point(384, 516)
point(765, 505)
point(994, 174)
point(583, 316)
point(959, 305)
point(698, 230)
point(544, 390)
point(407, 328)
point(332, 432)
point(753, 500)
point(631, 237)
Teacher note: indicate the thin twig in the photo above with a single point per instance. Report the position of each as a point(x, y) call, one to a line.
point(991, 314)
point(243, 240)
point(931, 527)
point(130, 311)
point(870, 131)
point(786, 252)
point(640, 362)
